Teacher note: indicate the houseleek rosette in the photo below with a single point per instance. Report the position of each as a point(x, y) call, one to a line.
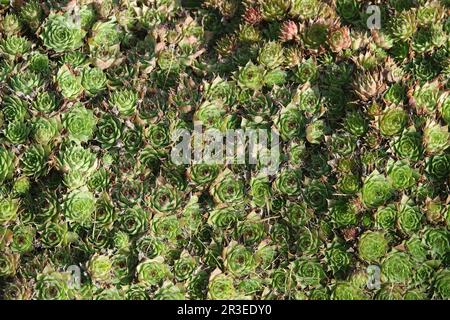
point(436, 138)
point(251, 230)
point(79, 207)
point(54, 234)
point(14, 108)
point(6, 164)
point(26, 83)
point(298, 214)
point(288, 182)
point(8, 264)
point(372, 246)
point(45, 130)
point(61, 34)
point(316, 195)
point(392, 121)
point(133, 220)
point(290, 123)
point(343, 214)
point(437, 241)
point(338, 259)
point(34, 160)
point(45, 102)
point(52, 286)
point(211, 114)
point(409, 145)
point(271, 55)
point(166, 227)
point(164, 199)
point(14, 46)
point(23, 239)
point(409, 218)
point(108, 130)
point(93, 80)
point(152, 272)
point(239, 260)
point(401, 175)
point(69, 83)
point(438, 166)
point(251, 76)
point(308, 241)
point(441, 284)
point(125, 100)
point(397, 267)
point(184, 267)
point(228, 189)
point(170, 291)
point(221, 287)
point(203, 173)
point(376, 190)
point(224, 217)
point(385, 217)
point(100, 268)
point(79, 123)
point(308, 272)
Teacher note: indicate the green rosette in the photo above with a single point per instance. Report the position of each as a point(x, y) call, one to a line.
point(308, 241)
point(376, 190)
point(393, 121)
point(409, 218)
point(385, 217)
point(224, 217)
point(288, 182)
point(338, 259)
point(290, 123)
point(165, 199)
point(372, 246)
point(79, 207)
point(9, 263)
point(23, 239)
point(239, 260)
point(221, 287)
point(125, 101)
point(298, 214)
point(133, 220)
point(409, 146)
point(93, 80)
point(45, 130)
point(397, 267)
point(69, 83)
point(308, 273)
point(52, 286)
point(203, 174)
point(250, 77)
point(228, 188)
point(166, 227)
point(60, 34)
point(108, 130)
point(6, 165)
point(437, 241)
point(99, 268)
point(79, 123)
point(343, 214)
point(152, 272)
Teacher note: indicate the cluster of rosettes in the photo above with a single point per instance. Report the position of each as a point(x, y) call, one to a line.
point(92, 91)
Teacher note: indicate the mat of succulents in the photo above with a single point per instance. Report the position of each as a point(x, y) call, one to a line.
point(342, 194)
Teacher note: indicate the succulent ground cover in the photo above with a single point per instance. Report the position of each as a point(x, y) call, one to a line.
point(91, 93)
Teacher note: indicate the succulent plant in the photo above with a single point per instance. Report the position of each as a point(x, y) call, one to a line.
point(93, 95)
